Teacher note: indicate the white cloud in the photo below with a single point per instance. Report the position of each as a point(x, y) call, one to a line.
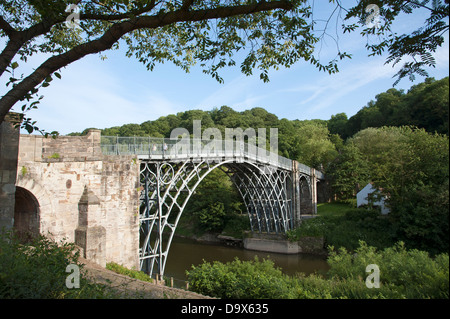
point(324, 94)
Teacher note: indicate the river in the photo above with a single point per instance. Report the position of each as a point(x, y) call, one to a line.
point(186, 252)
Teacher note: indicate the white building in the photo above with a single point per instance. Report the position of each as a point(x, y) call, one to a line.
point(362, 199)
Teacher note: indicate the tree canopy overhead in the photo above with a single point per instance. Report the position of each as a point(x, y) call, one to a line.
point(269, 33)
point(183, 32)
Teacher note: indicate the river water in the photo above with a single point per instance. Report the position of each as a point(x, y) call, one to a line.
point(186, 252)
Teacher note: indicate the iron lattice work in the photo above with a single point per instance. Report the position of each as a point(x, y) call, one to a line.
point(167, 187)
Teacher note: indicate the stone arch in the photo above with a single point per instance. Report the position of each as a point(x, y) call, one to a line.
point(46, 211)
point(26, 215)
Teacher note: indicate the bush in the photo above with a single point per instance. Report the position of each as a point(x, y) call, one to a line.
point(360, 224)
point(403, 274)
point(211, 218)
point(39, 270)
point(239, 279)
point(236, 225)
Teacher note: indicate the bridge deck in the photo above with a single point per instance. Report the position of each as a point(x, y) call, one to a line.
point(158, 149)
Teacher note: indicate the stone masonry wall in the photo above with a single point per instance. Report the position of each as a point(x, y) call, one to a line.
point(9, 140)
point(84, 196)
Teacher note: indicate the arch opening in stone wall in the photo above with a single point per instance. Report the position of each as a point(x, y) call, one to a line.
point(26, 215)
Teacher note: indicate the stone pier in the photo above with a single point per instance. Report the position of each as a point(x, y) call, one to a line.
point(9, 145)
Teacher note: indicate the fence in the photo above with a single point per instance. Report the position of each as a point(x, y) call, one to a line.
point(165, 148)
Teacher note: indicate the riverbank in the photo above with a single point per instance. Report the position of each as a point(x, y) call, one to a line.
point(263, 242)
point(130, 288)
point(184, 253)
point(274, 243)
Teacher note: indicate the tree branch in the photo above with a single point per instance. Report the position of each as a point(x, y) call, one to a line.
point(186, 4)
point(115, 32)
point(18, 38)
point(119, 16)
point(6, 27)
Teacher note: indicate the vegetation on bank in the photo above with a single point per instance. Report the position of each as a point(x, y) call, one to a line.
point(347, 227)
point(132, 273)
point(403, 274)
point(355, 238)
point(38, 271)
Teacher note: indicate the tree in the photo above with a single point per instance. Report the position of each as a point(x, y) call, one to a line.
point(411, 166)
point(349, 172)
point(313, 145)
point(185, 32)
point(337, 124)
point(425, 105)
point(214, 201)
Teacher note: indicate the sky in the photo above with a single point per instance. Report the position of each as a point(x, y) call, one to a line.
point(119, 90)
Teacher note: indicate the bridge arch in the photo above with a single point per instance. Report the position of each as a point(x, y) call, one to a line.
point(168, 186)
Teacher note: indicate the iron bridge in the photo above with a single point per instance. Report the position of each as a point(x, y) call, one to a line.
point(170, 172)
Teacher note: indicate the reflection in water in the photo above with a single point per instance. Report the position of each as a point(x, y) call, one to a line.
point(185, 252)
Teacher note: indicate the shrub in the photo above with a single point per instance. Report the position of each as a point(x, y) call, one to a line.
point(39, 270)
point(236, 225)
point(240, 279)
point(313, 227)
point(403, 274)
point(211, 218)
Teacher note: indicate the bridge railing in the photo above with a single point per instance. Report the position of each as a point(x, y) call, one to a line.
point(167, 148)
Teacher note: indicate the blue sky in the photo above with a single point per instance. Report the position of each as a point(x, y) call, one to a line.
point(119, 90)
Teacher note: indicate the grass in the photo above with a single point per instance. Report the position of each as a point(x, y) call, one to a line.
point(136, 274)
point(334, 209)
